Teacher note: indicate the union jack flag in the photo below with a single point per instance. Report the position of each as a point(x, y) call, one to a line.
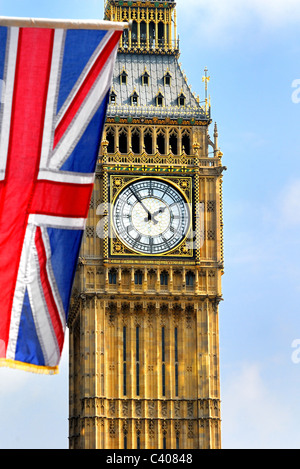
point(55, 84)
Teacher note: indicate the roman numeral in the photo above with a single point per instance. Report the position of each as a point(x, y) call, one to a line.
point(164, 240)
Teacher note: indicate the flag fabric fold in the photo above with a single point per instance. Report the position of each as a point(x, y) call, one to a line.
point(55, 83)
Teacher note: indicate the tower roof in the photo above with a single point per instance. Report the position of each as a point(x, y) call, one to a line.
point(157, 67)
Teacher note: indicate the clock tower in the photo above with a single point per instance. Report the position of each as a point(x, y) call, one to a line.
point(144, 337)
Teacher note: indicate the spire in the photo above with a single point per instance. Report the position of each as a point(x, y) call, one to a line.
point(206, 79)
point(216, 137)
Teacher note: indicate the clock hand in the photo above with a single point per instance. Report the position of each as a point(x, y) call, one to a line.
point(145, 208)
point(161, 210)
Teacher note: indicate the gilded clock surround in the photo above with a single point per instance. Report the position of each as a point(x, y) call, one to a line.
point(144, 330)
point(183, 185)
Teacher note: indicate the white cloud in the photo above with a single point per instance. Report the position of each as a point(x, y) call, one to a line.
point(289, 204)
point(276, 12)
point(253, 415)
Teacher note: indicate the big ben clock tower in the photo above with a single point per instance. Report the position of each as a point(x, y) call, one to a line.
point(144, 337)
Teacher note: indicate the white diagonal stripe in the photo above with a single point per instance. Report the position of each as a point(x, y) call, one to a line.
point(24, 277)
point(68, 178)
point(42, 320)
point(53, 89)
point(84, 116)
point(57, 222)
point(7, 96)
point(51, 278)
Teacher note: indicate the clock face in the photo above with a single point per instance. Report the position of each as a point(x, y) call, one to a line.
point(151, 216)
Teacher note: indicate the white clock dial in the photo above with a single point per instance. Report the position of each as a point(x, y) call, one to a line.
point(151, 216)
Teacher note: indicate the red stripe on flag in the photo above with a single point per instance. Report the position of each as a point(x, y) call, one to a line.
point(86, 87)
point(27, 122)
point(51, 304)
point(62, 200)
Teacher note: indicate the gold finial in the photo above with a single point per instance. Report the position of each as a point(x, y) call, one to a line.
point(206, 79)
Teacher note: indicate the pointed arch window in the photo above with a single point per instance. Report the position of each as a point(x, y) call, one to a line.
point(113, 97)
point(152, 35)
point(164, 277)
point(135, 140)
point(160, 100)
point(134, 99)
point(110, 136)
point(163, 355)
point(123, 77)
point(138, 277)
point(161, 142)
point(145, 78)
point(190, 279)
point(123, 141)
point(143, 32)
point(137, 358)
point(148, 141)
point(161, 30)
point(186, 142)
point(181, 100)
point(173, 142)
point(167, 79)
point(134, 33)
point(176, 361)
point(124, 361)
point(112, 277)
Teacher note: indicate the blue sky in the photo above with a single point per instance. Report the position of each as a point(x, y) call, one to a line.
point(252, 50)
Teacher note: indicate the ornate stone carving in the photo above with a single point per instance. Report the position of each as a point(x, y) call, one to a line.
point(125, 408)
point(138, 408)
point(151, 409)
point(177, 405)
point(112, 428)
point(112, 408)
point(190, 409)
point(151, 429)
point(164, 409)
